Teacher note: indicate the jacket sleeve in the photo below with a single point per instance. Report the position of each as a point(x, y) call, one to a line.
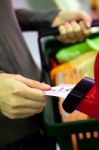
point(34, 20)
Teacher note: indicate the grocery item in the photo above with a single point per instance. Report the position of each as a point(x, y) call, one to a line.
point(85, 95)
point(69, 53)
point(93, 44)
point(72, 51)
point(71, 73)
point(75, 69)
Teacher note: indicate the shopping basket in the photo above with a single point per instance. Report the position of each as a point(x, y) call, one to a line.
point(52, 124)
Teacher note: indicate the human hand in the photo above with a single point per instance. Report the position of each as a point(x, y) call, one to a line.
point(21, 97)
point(73, 26)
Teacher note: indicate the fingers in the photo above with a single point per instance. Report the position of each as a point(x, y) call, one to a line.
point(72, 32)
point(21, 107)
point(78, 16)
point(77, 30)
point(18, 102)
point(68, 31)
point(20, 113)
point(30, 93)
point(33, 83)
point(85, 17)
point(63, 34)
point(86, 31)
point(72, 15)
point(70, 28)
point(28, 82)
point(21, 100)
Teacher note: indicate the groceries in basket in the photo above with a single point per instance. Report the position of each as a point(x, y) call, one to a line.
point(85, 95)
point(71, 73)
point(75, 69)
point(68, 53)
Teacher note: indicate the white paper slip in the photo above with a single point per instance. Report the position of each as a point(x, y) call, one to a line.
point(60, 91)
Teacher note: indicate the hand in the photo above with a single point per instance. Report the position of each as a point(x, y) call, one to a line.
point(21, 97)
point(73, 26)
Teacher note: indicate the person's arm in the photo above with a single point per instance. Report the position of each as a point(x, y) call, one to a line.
point(35, 20)
point(73, 26)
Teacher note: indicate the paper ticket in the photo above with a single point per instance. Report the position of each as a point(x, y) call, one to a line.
point(60, 91)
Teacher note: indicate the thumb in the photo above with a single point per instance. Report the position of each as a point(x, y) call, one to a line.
point(81, 15)
point(70, 16)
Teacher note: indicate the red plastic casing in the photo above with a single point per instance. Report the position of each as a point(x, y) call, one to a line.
point(90, 103)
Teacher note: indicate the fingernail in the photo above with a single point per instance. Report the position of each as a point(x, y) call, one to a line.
point(48, 86)
point(88, 23)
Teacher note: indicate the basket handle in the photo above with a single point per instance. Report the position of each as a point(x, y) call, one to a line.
point(54, 31)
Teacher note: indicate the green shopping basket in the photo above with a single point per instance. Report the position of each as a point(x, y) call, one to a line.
point(53, 126)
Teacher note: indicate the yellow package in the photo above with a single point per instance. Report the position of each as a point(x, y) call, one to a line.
point(83, 65)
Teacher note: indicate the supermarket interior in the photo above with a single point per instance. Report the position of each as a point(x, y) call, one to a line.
point(70, 119)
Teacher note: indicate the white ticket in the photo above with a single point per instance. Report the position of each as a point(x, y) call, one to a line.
point(60, 91)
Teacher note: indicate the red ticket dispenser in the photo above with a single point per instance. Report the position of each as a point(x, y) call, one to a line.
point(85, 95)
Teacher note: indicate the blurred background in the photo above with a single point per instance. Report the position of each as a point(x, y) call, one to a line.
point(46, 4)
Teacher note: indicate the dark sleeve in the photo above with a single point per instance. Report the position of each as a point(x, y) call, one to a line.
point(34, 20)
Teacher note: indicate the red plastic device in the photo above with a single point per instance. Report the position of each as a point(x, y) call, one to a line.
point(90, 103)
